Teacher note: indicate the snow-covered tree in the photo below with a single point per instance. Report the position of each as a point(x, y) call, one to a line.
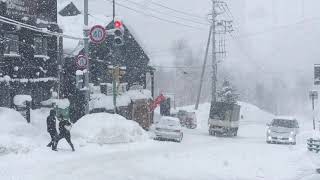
point(227, 93)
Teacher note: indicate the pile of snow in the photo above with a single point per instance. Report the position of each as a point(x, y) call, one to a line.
point(250, 114)
point(104, 128)
point(20, 100)
point(13, 123)
point(253, 114)
point(16, 135)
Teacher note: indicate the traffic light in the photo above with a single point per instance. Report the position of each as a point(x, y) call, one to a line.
point(118, 33)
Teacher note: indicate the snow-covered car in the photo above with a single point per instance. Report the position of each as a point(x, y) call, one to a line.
point(187, 119)
point(282, 130)
point(191, 120)
point(168, 128)
point(182, 116)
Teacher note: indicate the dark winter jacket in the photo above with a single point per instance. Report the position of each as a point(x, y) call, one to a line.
point(62, 127)
point(51, 123)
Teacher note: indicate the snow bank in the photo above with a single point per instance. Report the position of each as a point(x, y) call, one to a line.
point(13, 123)
point(16, 135)
point(253, 114)
point(104, 128)
point(20, 100)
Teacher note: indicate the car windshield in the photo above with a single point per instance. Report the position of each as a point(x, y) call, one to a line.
point(169, 122)
point(284, 123)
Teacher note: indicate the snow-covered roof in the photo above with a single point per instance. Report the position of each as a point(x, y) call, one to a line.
point(104, 101)
point(60, 103)
point(286, 118)
point(74, 25)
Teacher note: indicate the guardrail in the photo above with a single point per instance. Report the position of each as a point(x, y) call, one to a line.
point(313, 145)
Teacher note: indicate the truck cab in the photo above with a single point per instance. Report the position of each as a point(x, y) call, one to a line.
point(224, 119)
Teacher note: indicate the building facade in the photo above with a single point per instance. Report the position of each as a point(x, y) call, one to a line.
point(28, 59)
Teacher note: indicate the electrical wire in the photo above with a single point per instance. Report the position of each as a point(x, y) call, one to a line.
point(156, 17)
point(33, 28)
point(161, 12)
point(175, 10)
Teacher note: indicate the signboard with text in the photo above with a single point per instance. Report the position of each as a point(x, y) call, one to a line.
point(97, 34)
point(82, 62)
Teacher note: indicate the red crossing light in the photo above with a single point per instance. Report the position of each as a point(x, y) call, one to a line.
point(117, 24)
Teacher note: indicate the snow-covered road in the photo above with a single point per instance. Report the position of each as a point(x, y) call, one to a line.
point(199, 156)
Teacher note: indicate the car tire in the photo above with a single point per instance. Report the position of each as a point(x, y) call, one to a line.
point(294, 143)
point(235, 133)
point(269, 142)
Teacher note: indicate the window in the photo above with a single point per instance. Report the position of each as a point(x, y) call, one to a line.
point(11, 44)
point(284, 123)
point(40, 46)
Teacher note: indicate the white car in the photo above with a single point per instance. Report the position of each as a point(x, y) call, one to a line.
point(168, 128)
point(282, 130)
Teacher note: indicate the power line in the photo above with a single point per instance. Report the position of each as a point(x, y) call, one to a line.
point(156, 17)
point(160, 12)
point(34, 28)
point(175, 10)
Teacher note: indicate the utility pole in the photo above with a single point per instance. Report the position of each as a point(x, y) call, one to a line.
point(220, 27)
point(313, 96)
point(86, 53)
point(214, 58)
point(302, 9)
point(60, 63)
point(114, 10)
point(203, 68)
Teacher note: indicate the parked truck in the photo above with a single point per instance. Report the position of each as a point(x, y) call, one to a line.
point(224, 119)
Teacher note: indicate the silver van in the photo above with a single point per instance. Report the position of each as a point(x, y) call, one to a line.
point(282, 130)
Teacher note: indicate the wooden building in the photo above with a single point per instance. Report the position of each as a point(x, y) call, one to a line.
point(130, 55)
point(28, 59)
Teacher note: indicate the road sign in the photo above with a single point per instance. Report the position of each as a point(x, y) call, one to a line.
point(97, 34)
point(317, 74)
point(82, 62)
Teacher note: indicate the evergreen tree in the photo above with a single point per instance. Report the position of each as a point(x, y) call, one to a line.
point(227, 93)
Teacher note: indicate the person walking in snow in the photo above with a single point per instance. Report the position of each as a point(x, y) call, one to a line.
point(64, 129)
point(51, 127)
